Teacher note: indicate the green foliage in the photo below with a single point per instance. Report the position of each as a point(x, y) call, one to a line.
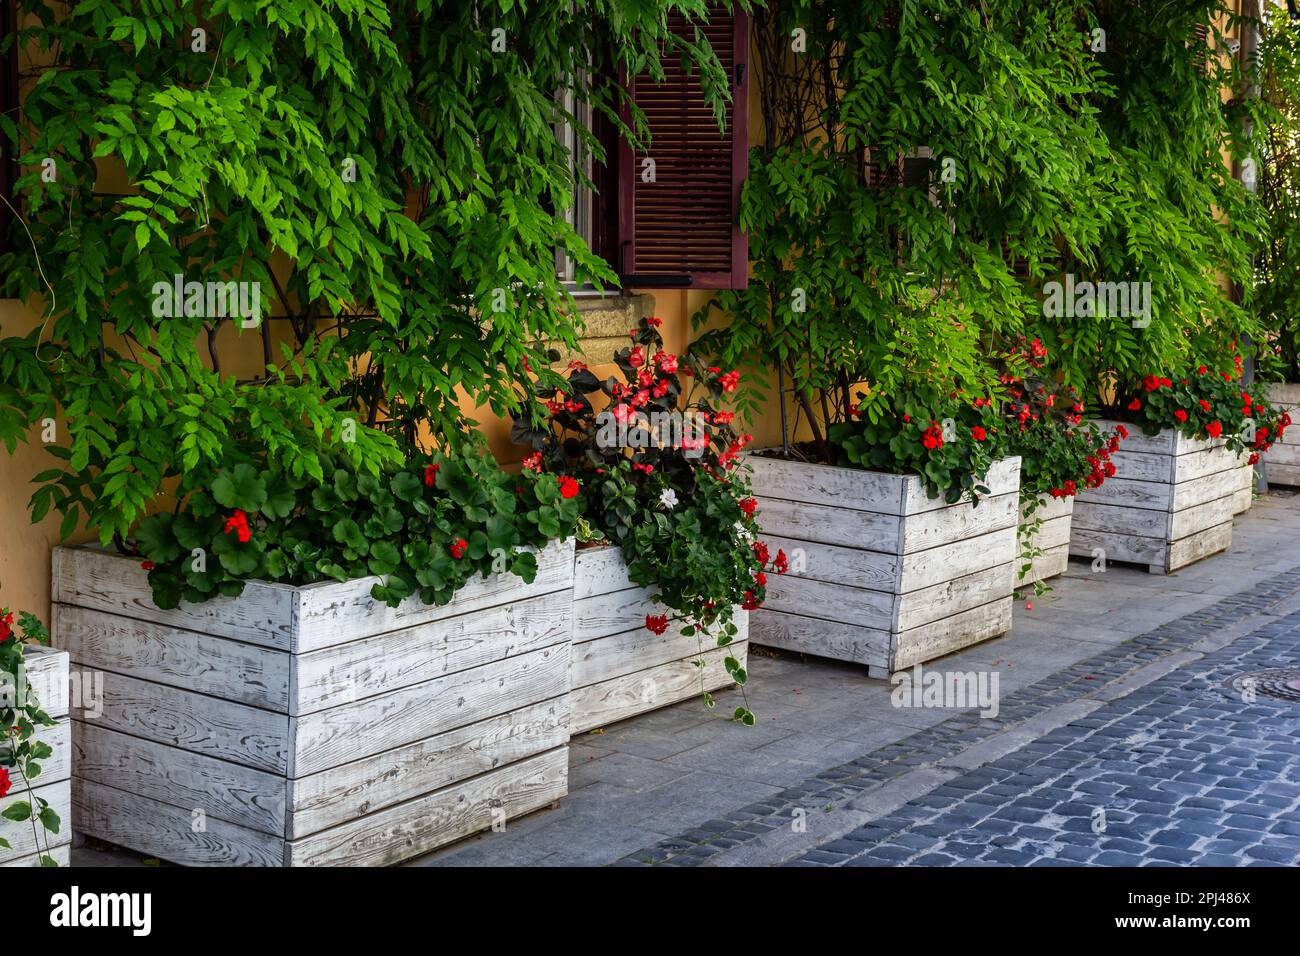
point(1274, 298)
point(944, 436)
point(391, 182)
point(424, 528)
point(21, 715)
point(1209, 403)
point(865, 275)
point(1170, 212)
point(660, 464)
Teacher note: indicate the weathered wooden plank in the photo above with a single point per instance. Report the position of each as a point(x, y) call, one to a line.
point(56, 767)
point(168, 832)
point(23, 840)
point(941, 637)
point(1049, 564)
point(797, 594)
point(1284, 454)
point(95, 579)
point(224, 729)
point(632, 651)
point(216, 666)
point(1137, 549)
point(1201, 545)
point(1054, 532)
point(1199, 491)
point(827, 562)
point(220, 789)
point(923, 569)
point(950, 598)
point(612, 613)
point(826, 524)
point(604, 703)
point(1199, 518)
point(1284, 393)
point(1161, 443)
point(811, 483)
point(1144, 522)
point(599, 571)
point(61, 854)
point(1048, 508)
point(348, 672)
point(1284, 475)
point(1126, 492)
point(807, 635)
point(355, 790)
point(1203, 463)
point(1143, 466)
point(930, 529)
point(436, 819)
point(1003, 478)
point(333, 613)
point(349, 732)
point(47, 671)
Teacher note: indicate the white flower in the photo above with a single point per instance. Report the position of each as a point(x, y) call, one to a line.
point(668, 498)
point(742, 532)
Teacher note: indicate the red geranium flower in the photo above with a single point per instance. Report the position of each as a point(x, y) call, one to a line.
point(5, 782)
point(147, 565)
point(569, 487)
point(1180, 415)
point(533, 462)
point(1215, 429)
point(747, 505)
point(1134, 405)
point(238, 523)
point(457, 549)
point(431, 473)
point(656, 623)
point(978, 433)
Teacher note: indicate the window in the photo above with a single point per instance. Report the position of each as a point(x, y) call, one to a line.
point(668, 216)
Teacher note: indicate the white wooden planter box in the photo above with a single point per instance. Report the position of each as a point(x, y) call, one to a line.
point(308, 726)
point(47, 678)
point(1052, 537)
point(1282, 461)
point(1244, 496)
point(881, 574)
point(1169, 504)
point(620, 668)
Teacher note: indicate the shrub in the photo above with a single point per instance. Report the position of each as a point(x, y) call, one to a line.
point(661, 467)
point(424, 528)
point(20, 716)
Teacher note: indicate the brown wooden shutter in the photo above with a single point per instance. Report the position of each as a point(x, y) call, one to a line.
point(682, 229)
point(8, 106)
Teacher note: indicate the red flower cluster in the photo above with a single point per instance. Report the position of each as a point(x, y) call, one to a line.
point(569, 487)
point(6, 629)
point(656, 623)
point(748, 506)
point(238, 523)
point(5, 782)
point(533, 462)
point(932, 438)
point(430, 474)
point(458, 548)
